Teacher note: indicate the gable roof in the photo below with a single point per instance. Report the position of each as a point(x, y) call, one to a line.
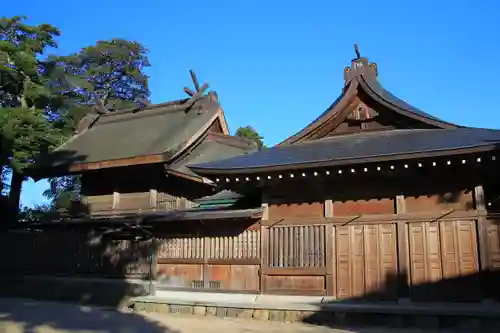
point(154, 134)
point(213, 147)
point(358, 148)
point(362, 75)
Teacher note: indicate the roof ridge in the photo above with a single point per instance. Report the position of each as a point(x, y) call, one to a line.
point(173, 103)
point(358, 134)
point(223, 137)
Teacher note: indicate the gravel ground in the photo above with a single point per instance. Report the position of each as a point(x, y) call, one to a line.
point(26, 316)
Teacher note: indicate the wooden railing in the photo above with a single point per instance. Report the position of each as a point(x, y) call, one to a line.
point(127, 203)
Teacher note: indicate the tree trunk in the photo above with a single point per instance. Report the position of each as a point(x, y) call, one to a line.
point(16, 184)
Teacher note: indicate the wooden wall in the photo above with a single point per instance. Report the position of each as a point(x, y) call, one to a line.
point(132, 189)
point(69, 252)
point(212, 262)
point(425, 245)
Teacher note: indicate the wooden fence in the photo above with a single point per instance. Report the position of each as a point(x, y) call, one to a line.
point(73, 253)
point(454, 259)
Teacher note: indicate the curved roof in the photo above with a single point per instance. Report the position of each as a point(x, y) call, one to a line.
point(362, 75)
point(163, 130)
point(358, 148)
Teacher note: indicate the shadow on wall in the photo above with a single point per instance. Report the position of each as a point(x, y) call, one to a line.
point(382, 308)
point(88, 264)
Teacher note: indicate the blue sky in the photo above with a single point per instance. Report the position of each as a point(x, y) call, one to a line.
point(276, 65)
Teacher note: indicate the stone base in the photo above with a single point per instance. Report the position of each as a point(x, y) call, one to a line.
point(329, 318)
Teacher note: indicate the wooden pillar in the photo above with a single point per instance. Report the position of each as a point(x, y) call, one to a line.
point(264, 246)
point(206, 270)
point(153, 198)
point(116, 200)
point(483, 248)
point(329, 208)
point(330, 279)
point(404, 272)
point(330, 258)
point(480, 204)
point(153, 273)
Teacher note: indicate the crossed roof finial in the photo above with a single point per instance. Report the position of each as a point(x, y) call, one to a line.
point(356, 49)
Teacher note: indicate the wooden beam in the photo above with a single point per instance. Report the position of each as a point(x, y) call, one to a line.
point(379, 218)
point(296, 271)
point(190, 261)
point(149, 159)
point(189, 177)
point(195, 80)
point(188, 91)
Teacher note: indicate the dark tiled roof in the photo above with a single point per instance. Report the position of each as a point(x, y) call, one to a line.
point(374, 85)
point(341, 150)
point(211, 150)
point(156, 129)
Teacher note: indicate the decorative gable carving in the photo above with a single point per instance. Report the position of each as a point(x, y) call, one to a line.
point(362, 112)
point(359, 66)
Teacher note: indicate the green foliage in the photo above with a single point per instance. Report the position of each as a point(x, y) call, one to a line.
point(63, 191)
point(30, 135)
point(33, 215)
point(109, 75)
point(21, 84)
point(43, 99)
point(250, 133)
point(105, 77)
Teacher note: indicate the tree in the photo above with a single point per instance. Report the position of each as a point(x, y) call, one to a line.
point(101, 78)
point(250, 133)
point(107, 76)
point(24, 97)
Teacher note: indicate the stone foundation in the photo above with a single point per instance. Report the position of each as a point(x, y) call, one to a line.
point(330, 318)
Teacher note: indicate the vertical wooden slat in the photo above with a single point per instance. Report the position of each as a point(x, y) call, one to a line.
point(275, 241)
point(403, 258)
point(280, 246)
point(482, 232)
point(154, 266)
point(329, 208)
point(330, 260)
point(264, 257)
point(320, 237)
point(206, 270)
point(295, 242)
point(302, 248)
point(343, 262)
point(246, 245)
point(285, 247)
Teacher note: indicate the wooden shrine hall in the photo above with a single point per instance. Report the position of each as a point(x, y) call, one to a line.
point(374, 200)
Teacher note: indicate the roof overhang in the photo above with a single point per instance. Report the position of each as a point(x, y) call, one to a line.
point(211, 172)
point(61, 170)
point(151, 218)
